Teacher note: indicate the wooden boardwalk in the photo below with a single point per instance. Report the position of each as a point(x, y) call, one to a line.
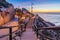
point(29, 34)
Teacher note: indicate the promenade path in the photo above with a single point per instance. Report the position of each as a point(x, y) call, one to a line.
point(28, 35)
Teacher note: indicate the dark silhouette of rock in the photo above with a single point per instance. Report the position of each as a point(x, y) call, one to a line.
point(4, 3)
point(23, 9)
point(7, 11)
point(18, 12)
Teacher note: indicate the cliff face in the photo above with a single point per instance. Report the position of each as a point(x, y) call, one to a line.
point(6, 12)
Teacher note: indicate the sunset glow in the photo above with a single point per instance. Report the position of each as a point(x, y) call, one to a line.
point(46, 11)
point(38, 5)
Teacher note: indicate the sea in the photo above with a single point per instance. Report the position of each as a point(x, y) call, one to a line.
point(51, 17)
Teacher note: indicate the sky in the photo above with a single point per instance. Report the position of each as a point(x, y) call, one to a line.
point(38, 5)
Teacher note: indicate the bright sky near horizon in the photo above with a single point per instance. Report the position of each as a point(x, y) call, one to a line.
point(38, 5)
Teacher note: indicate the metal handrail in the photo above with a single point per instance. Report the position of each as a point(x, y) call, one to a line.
point(10, 31)
point(48, 28)
point(47, 36)
point(5, 27)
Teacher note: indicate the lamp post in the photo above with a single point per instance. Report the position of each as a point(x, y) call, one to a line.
point(31, 7)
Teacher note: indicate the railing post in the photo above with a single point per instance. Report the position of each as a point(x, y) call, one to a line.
point(10, 32)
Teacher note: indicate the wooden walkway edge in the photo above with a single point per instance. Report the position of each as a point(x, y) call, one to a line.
point(29, 34)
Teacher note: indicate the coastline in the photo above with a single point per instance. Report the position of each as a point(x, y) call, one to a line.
point(50, 17)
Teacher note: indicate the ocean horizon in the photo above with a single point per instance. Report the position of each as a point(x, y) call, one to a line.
point(53, 17)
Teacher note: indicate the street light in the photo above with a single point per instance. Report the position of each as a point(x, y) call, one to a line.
point(31, 7)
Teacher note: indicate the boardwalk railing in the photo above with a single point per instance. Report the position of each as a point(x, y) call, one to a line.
point(10, 31)
point(43, 29)
point(50, 28)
